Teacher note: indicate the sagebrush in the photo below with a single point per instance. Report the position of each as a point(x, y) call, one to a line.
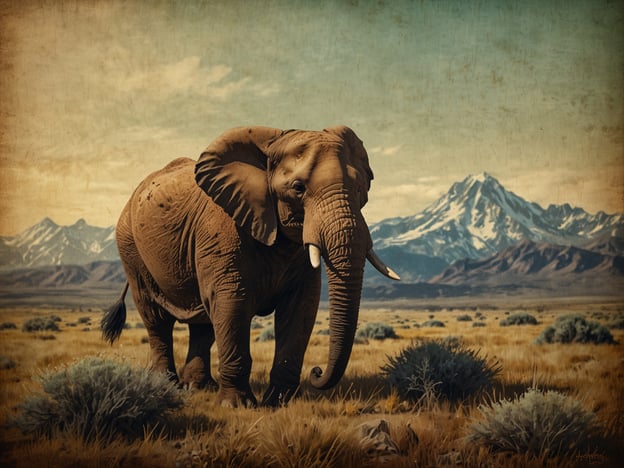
point(268, 334)
point(42, 324)
point(439, 369)
point(575, 329)
point(518, 319)
point(376, 331)
point(98, 399)
point(546, 424)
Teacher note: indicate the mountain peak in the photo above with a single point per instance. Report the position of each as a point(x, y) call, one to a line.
point(46, 222)
point(480, 177)
point(81, 223)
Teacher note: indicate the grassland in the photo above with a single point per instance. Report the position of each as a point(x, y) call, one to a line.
point(321, 428)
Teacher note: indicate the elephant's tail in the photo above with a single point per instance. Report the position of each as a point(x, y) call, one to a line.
point(115, 318)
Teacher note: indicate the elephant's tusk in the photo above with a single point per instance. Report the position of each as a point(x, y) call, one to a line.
point(315, 256)
point(381, 266)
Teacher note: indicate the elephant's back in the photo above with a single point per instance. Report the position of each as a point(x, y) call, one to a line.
point(163, 212)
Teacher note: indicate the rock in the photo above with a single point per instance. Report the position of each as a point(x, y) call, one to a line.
point(375, 439)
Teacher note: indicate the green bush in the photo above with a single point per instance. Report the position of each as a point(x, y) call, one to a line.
point(518, 319)
point(464, 318)
point(478, 324)
point(97, 399)
point(433, 323)
point(8, 326)
point(41, 324)
point(255, 325)
point(616, 324)
point(267, 334)
point(436, 369)
point(546, 424)
point(376, 331)
point(575, 329)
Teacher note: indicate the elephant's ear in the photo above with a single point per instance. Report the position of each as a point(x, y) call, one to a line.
point(233, 172)
point(357, 157)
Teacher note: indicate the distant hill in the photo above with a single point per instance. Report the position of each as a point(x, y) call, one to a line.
point(529, 263)
point(96, 274)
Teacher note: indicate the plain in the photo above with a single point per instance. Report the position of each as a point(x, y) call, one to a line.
point(321, 428)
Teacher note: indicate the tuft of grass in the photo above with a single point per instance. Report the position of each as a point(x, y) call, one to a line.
point(8, 326)
point(376, 331)
point(575, 329)
point(42, 324)
point(433, 323)
point(97, 399)
point(432, 370)
point(464, 318)
point(313, 443)
point(518, 319)
point(546, 424)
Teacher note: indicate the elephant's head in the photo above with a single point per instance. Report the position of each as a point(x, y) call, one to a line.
point(311, 187)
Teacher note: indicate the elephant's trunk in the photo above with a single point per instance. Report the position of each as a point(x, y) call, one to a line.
point(344, 241)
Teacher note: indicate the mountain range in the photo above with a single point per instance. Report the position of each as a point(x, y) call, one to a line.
point(477, 235)
point(46, 243)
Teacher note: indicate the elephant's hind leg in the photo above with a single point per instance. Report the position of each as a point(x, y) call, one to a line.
point(159, 325)
point(196, 371)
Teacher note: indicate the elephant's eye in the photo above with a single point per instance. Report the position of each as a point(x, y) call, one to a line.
point(298, 187)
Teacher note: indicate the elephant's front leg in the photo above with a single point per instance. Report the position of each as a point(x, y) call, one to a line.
point(295, 315)
point(231, 321)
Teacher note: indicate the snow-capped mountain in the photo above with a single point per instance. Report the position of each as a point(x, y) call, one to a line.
point(478, 218)
point(46, 243)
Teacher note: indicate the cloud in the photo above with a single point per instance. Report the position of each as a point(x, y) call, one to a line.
point(386, 151)
point(403, 199)
point(186, 76)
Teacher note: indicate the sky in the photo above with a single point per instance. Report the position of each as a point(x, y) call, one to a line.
point(95, 95)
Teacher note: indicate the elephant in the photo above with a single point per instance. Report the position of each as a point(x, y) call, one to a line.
point(241, 232)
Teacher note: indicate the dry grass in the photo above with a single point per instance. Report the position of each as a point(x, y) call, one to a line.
point(320, 429)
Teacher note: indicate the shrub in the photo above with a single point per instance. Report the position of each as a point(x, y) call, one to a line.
point(464, 318)
point(84, 320)
point(97, 399)
point(41, 324)
point(376, 331)
point(616, 324)
point(267, 335)
point(478, 324)
point(518, 319)
point(8, 326)
point(541, 424)
point(323, 332)
point(575, 329)
point(441, 368)
point(7, 363)
point(433, 323)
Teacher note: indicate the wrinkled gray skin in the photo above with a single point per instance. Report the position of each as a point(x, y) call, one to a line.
point(214, 242)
